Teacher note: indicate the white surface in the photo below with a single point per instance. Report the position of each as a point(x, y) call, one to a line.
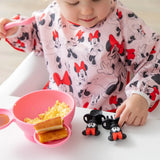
point(142, 143)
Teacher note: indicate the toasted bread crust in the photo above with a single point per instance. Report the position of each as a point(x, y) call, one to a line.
point(49, 125)
point(53, 135)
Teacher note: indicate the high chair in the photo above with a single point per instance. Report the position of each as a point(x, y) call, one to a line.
point(29, 76)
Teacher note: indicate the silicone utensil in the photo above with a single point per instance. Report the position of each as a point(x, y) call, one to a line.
point(19, 23)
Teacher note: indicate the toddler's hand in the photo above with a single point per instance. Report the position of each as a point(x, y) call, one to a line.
point(133, 111)
point(5, 33)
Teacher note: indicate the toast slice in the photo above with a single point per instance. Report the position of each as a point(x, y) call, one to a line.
point(49, 125)
point(53, 135)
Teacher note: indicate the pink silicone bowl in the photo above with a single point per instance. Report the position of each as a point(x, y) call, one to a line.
point(35, 103)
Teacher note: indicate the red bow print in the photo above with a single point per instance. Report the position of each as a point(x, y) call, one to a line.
point(153, 50)
point(86, 105)
point(119, 14)
point(78, 68)
point(113, 100)
point(141, 27)
point(65, 80)
point(55, 34)
point(153, 94)
point(42, 16)
point(114, 42)
point(130, 54)
point(79, 34)
point(19, 49)
point(17, 17)
point(35, 42)
point(96, 35)
point(21, 43)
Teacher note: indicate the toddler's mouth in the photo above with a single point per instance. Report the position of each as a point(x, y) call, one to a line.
point(88, 20)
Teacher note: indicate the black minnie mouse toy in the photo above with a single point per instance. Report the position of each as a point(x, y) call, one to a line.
point(93, 119)
point(115, 131)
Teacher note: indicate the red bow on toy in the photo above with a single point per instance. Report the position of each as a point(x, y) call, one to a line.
point(91, 131)
point(117, 135)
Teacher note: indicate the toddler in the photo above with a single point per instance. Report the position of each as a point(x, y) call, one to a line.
point(90, 47)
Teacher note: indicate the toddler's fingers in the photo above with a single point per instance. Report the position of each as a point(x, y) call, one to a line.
point(137, 121)
point(2, 35)
point(11, 31)
point(123, 118)
point(131, 118)
point(3, 31)
point(143, 121)
point(119, 110)
point(2, 24)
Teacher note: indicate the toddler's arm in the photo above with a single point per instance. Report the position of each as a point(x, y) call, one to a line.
point(133, 111)
point(24, 38)
point(141, 57)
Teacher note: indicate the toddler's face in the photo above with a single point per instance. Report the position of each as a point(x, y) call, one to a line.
point(86, 13)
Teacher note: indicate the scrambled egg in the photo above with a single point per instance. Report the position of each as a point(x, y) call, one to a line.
point(59, 109)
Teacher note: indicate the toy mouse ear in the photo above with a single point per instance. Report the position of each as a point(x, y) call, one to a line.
point(87, 118)
point(100, 119)
point(95, 112)
point(106, 124)
point(117, 120)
